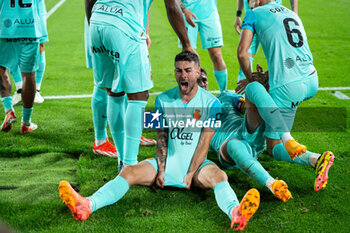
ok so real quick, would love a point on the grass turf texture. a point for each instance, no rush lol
(31, 166)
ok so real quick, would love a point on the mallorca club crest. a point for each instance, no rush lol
(197, 114)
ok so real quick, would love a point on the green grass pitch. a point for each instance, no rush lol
(31, 166)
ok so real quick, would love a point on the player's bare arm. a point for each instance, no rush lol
(294, 5)
(177, 22)
(88, 8)
(199, 154)
(162, 150)
(238, 21)
(242, 52)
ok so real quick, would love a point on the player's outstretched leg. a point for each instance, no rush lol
(79, 205)
(279, 188)
(245, 210)
(324, 162)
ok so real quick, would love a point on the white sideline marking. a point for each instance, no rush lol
(53, 9)
(333, 88)
(216, 91)
(341, 95)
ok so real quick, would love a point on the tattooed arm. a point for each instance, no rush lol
(188, 14)
(162, 150)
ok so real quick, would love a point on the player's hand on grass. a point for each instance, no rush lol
(160, 179)
(241, 85)
(189, 17)
(237, 25)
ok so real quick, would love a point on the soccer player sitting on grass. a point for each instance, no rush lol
(181, 152)
(241, 140)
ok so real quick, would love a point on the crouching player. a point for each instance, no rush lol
(240, 141)
(181, 153)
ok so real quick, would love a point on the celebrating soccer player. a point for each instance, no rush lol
(181, 152)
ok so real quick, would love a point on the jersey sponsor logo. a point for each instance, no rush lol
(107, 9)
(289, 63)
(22, 40)
(278, 9)
(302, 59)
(7, 23)
(102, 49)
(178, 133)
(29, 21)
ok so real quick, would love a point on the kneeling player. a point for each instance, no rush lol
(181, 152)
(240, 141)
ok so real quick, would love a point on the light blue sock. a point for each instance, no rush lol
(109, 193)
(133, 130)
(241, 74)
(116, 120)
(26, 113)
(225, 197)
(39, 74)
(279, 152)
(99, 112)
(246, 162)
(7, 102)
(221, 79)
(267, 108)
(17, 77)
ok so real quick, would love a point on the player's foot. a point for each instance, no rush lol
(245, 210)
(106, 149)
(147, 141)
(27, 127)
(294, 148)
(38, 98)
(280, 190)
(79, 205)
(16, 98)
(324, 162)
(10, 118)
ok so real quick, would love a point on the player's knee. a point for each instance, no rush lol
(128, 174)
(270, 144)
(220, 176)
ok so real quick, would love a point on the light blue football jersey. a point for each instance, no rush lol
(184, 134)
(231, 120)
(247, 7)
(19, 19)
(283, 39)
(128, 16)
(233, 125)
